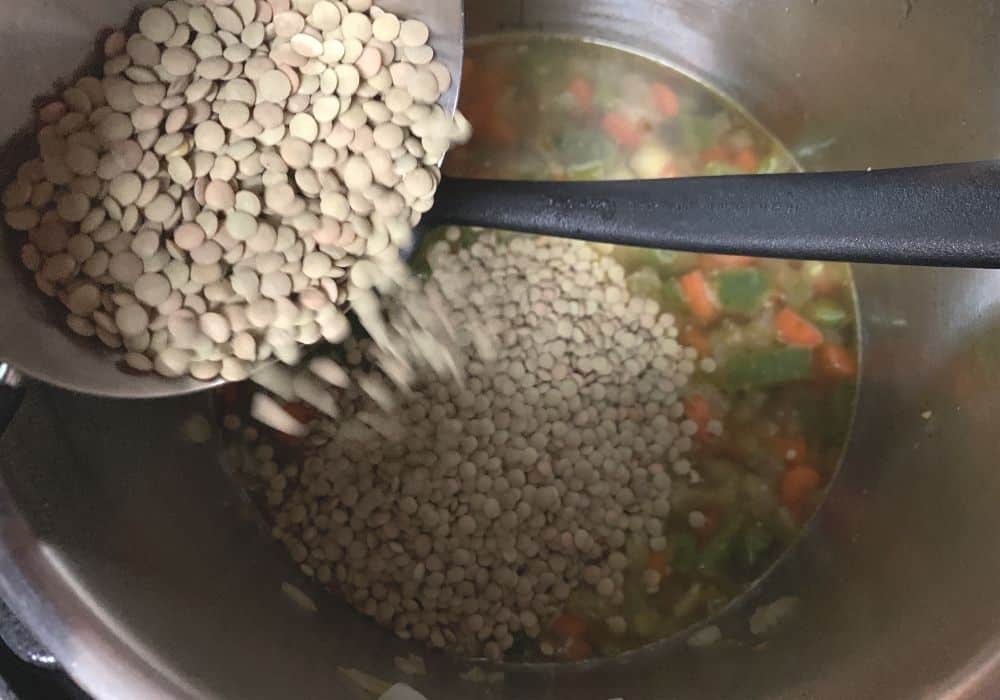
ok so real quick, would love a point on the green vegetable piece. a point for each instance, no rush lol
(586, 171)
(522, 646)
(581, 150)
(719, 551)
(827, 312)
(674, 261)
(761, 368)
(671, 298)
(645, 283)
(685, 553)
(754, 544)
(696, 133)
(720, 167)
(774, 164)
(688, 602)
(741, 290)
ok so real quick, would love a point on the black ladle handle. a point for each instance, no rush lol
(945, 215)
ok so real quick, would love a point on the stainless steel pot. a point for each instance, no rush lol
(127, 551)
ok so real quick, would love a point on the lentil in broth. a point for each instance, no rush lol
(773, 419)
(646, 435)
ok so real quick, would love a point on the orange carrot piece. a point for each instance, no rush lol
(576, 649)
(795, 330)
(658, 562)
(696, 408)
(694, 338)
(699, 297)
(835, 361)
(583, 92)
(623, 131)
(724, 262)
(797, 484)
(714, 153)
(569, 626)
(746, 160)
(666, 100)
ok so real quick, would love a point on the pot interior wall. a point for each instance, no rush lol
(131, 555)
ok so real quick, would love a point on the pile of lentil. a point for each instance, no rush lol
(470, 511)
(238, 171)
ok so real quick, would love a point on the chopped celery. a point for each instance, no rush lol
(645, 283)
(755, 542)
(698, 133)
(761, 368)
(685, 553)
(774, 163)
(797, 287)
(720, 167)
(688, 602)
(674, 261)
(581, 149)
(826, 312)
(586, 171)
(741, 290)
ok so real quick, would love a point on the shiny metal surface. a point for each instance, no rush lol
(48, 42)
(125, 549)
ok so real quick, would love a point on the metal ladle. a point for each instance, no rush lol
(946, 215)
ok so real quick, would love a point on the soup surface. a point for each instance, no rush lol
(761, 402)
(781, 333)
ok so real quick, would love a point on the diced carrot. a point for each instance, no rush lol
(696, 408)
(482, 90)
(622, 130)
(835, 362)
(710, 526)
(795, 330)
(658, 562)
(699, 296)
(301, 412)
(569, 626)
(583, 92)
(665, 99)
(746, 160)
(498, 130)
(724, 262)
(576, 649)
(693, 337)
(714, 153)
(790, 449)
(797, 484)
